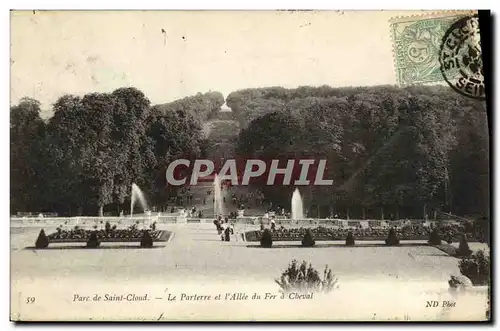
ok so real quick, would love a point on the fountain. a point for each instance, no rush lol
(218, 208)
(137, 195)
(297, 208)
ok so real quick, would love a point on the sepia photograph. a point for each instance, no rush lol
(285, 165)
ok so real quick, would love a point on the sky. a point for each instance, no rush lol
(170, 55)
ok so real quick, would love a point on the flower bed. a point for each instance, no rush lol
(116, 235)
(326, 234)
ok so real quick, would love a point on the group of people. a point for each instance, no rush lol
(247, 200)
(224, 227)
(278, 210)
(194, 213)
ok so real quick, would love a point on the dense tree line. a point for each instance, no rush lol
(201, 106)
(405, 152)
(86, 156)
(390, 151)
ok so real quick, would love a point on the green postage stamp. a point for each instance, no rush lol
(417, 42)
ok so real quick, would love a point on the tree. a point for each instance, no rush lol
(42, 241)
(266, 240)
(392, 239)
(146, 240)
(350, 239)
(170, 135)
(26, 132)
(308, 240)
(98, 162)
(130, 113)
(469, 171)
(463, 247)
(435, 238)
(96, 143)
(476, 268)
(93, 241)
(481, 229)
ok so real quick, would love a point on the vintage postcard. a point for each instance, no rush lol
(249, 166)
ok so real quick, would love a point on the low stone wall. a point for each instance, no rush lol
(174, 218)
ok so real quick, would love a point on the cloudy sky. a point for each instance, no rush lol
(169, 55)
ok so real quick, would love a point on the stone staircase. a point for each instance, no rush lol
(222, 130)
(205, 204)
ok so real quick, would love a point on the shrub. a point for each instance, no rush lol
(476, 268)
(93, 241)
(107, 227)
(304, 279)
(392, 239)
(349, 241)
(308, 240)
(146, 240)
(42, 241)
(460, 281)
(266, 240)
(469, 226)
(435, 237)
(463, 247)
(482, 229)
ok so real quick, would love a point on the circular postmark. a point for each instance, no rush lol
(460, 58)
